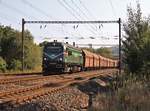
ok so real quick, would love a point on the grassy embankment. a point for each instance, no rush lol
(128, 94)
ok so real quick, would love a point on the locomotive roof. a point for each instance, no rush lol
(66, 44)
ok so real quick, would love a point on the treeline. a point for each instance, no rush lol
(103, 51)
(11, 51)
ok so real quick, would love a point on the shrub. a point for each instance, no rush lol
(134, 96)
(15, 65)
(2, 65)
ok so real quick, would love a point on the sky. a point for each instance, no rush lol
(12, 12)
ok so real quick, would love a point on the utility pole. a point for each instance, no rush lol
(119, 22)
(23, 23)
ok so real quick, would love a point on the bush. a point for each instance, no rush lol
(2, 65)
(134, 96)
(15, 65)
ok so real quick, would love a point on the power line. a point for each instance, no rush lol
(90, 14)
(68, 9)
(62, 4)
(83, 14)
(86, 8)
(14, 9)
(8, 17)
(76, 13)
(36, 8)
(112, 7)
(79, 9)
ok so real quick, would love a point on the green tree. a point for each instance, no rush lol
(15, 65)
(136, 46)
(89, 49)
(106, 52)
(11, 48)
(33, 53)
(10, 44)
(33, 56)
(43, 43)
(2, 65)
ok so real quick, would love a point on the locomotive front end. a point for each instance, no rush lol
(53, 58)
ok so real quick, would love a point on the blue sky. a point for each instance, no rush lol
(12, 11)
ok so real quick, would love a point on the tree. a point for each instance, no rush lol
(2, 65)
(33, 54)
(89, 49)
(15, 65)
(10, 44)
(136, 46)
(106, 52)
(43, 43)
(11, 48)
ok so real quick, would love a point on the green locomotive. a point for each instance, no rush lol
(61, 57)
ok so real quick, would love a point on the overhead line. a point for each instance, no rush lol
(86, 8)
(68, 9)
(15, 9)
(36, 8)
(112, 7)
(79, 9)
(77, 13)
(83, 13)
(6, 16)
(89, 13)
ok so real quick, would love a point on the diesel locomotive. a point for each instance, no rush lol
(62, 57)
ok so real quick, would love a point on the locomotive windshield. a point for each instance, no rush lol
(53, 52)
(51, 49)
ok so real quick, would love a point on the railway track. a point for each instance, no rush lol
(24, 79)
(16, 79)
(21, 74)
(22, 95)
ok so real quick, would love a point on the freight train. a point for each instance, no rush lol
(62, 57)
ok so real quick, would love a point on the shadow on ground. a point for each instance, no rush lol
(94, 86)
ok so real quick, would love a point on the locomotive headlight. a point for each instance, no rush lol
(60, 59)
(45, 58)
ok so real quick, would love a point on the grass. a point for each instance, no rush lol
(37, 69)
(132, 95)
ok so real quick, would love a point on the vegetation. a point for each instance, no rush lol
(131, 91)
(103, 51)
(132, 96)
(11, 52)
(136, 47)
(106, 52)
(2, 65)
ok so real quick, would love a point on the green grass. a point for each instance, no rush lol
(37, 69)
